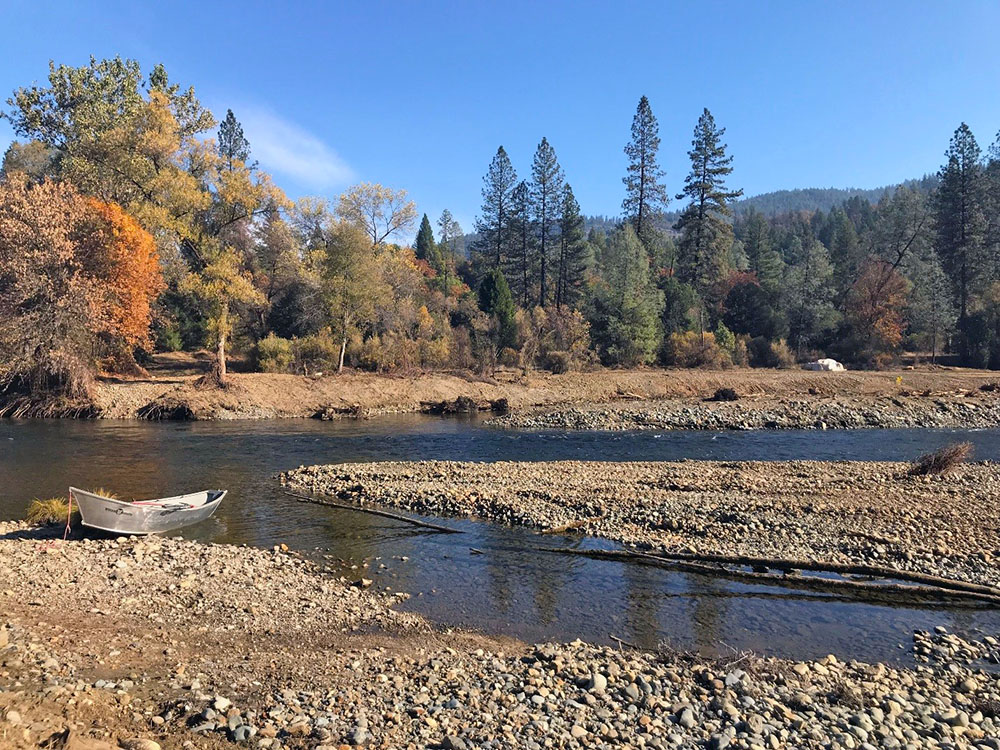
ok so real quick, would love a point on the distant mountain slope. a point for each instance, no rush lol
(823, 199)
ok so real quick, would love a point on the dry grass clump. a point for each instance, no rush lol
(47, 512)
(104, 493)
(943, 460)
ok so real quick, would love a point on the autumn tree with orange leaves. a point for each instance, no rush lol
(123, 256)
(874, 310)
(77, 278)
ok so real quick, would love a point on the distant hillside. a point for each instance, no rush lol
(823, 199)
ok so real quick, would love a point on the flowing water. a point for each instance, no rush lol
(502, 591)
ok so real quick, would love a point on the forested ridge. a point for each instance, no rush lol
(133, 221)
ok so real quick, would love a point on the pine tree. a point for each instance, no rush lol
(546, 195)
(960, 217)
(931, 311)
(763, 259)
(493, 226)
(845, 249)
(705, 233)
(521, 267)
(424, 245)
(573, 255)
(232, 145)
(993, 206)
(645, 194)
(450, 233)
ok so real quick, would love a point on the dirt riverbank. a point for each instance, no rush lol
(161, 643)
(909, 397)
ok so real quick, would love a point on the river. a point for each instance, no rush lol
(502, 591)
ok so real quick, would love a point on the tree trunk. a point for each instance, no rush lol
(220, 362)
(343, 348)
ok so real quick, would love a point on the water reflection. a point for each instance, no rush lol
(504, 590)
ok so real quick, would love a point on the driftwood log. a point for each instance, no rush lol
(374, 512)
(953, 591)
(571, 525)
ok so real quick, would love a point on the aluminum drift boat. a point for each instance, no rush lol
(144, 516)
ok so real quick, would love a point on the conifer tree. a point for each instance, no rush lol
(232, 145)
(493, 225)
(960, 218)
(523, 242)
(450, 233)
(424, 246)
(625, 310)
(645, 194)
(763, 259)
(495, 300)
(706, 236)
(546, 196)
(572, 251)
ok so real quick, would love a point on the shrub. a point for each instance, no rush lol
(943, 460)
(435, 352)
(167, 336)
(550, 338)
(315, 353)
(764, 353)
(724, 394)
(725, 339)
(274, 354)
(51, 511)
(558, 362)
(689, 349)
(741, 354)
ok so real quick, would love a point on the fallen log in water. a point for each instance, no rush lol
(954, 591)
(570, 526)
(374, 512)
(861, 569)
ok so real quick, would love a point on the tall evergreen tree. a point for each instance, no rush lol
(493, 225)
(762, 257)
(572, 251)
(546, 197)
(645, 194)
(993, 206)
(931, 311)
(841, 239)
(960, 218)
(705, 234)
(449, 233)
(521, 267)
(233, 145)
(424, 245)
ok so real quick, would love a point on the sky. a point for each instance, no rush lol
(419, 95)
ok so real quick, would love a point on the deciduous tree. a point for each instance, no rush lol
(380, 211)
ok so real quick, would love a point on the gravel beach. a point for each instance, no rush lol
(161, 643)
(972, 410)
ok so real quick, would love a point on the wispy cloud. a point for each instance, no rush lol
(285, 148)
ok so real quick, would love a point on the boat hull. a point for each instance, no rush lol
(145, 517)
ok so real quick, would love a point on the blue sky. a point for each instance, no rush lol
(419, 95)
